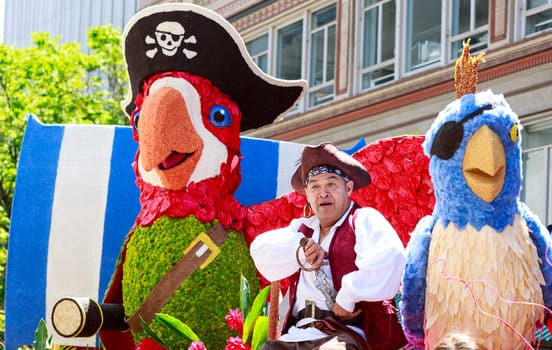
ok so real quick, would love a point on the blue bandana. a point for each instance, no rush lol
(322, 169)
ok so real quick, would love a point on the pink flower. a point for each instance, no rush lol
(236, 343)
(149, 344)
(197, 345)
(234, 321)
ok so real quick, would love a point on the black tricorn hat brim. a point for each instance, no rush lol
(212, 48)
(328, 154)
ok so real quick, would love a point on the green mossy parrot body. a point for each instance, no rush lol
(205, 297)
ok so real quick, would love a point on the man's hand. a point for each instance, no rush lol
(314, 254)
(344, 314)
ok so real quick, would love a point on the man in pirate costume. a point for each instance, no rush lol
(344, 262)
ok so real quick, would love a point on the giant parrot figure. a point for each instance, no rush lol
(480, 264)
(193, 88)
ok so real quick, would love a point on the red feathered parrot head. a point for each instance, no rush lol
(187, 130)
(193, 88)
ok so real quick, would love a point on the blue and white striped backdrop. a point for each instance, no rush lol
(75, 200)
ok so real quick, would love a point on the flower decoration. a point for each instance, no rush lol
(234, 320)
(207, 200)
(401, 187)
(273, 214)
(236, 343)
(197, 345)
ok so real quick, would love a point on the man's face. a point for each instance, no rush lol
(328, 195)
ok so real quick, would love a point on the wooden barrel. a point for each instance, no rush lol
(84, 317)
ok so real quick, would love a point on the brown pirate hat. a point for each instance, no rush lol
(189, 38)
(328, 154)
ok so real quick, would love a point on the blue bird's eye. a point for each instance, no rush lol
(220, 116)
(135, 119)
(514, 133)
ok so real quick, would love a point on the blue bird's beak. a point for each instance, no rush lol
(484, 164)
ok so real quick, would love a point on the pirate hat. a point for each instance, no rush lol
(329, 155)
(190, 38)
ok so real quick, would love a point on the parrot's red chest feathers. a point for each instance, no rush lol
(188, 133)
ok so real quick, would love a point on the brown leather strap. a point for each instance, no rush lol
(198, 254)
(318, 314)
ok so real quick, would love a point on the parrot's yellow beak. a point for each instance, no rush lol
(484, 164)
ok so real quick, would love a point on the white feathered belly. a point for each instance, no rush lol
(479, 282)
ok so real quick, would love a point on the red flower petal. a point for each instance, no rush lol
(149, 344)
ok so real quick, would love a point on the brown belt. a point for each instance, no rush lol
(195, 256)
(312, 311)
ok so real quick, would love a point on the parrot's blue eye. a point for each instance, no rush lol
(220, 116)
(135, 119)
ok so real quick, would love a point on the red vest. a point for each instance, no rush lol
(381, 325)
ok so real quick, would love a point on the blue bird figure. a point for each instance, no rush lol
(480, 264)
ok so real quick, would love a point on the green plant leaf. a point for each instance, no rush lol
(256, 310)
(42, 341)
(244, 296)
(153, 335)
(177, 326)
(260, 332)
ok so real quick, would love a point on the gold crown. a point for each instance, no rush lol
(465, 71)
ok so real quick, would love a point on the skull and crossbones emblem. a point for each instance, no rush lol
(169, 37)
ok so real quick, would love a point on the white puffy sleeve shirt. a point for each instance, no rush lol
(380, 256)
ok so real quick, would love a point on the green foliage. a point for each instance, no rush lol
(205, 297)
(151, 334)
(58, 83)
(256, 310)
(244, 296)
(43, 341)
(178, 327)
(107, 59)
(256, 321)
(260, 332)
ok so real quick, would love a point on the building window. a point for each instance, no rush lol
(423, 33)
(537, 170)
(322, 55)
(289, 51)
(258, 49)
(469, 19)
(402, 36)
(537, 16)
(378, 20)
(304, 49)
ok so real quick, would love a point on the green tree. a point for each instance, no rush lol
(58, 83)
